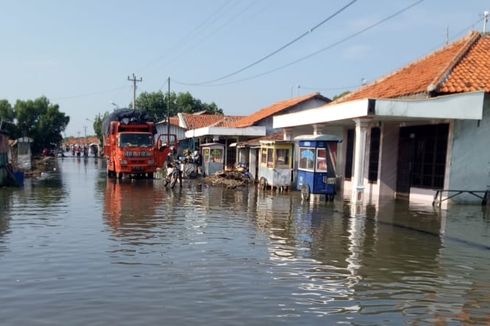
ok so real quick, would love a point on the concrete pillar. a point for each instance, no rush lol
(362, 126)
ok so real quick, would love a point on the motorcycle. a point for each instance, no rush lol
(174, 173)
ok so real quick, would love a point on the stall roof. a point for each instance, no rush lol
(211, 144)
(318, 137)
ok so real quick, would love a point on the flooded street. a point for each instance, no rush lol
(79, 249)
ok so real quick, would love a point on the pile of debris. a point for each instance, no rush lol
(229, 179)
(42, 165)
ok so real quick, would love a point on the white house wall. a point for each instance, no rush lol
(178, 131)
(470, 155)
(388, 161)
(310, 104)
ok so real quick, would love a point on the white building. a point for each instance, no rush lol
(423, 129)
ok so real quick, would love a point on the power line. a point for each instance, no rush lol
(189, 47)
(310, 88)
(345, 39)
(312, 29)
(89, 94)
(195, 31)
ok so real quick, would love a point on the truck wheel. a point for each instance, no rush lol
(119, 175)
(150, 175)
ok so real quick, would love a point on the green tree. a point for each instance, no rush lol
(7, 118)
(155, 103)
(98, 126)
(42, 121)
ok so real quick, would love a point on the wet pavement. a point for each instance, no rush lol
(79, 249)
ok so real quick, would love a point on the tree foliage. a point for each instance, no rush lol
(155, 103)
(37, 119)
(97, 125)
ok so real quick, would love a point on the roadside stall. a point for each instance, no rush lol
(317, 165)
(23, 153)
(275, 164)
(213, 158)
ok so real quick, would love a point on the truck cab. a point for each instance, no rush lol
(131, 149)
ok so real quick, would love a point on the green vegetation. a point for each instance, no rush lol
(38, 119)
(97, 125)
(155, 103)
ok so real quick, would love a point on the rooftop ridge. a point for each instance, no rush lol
(473, 37)
(406, 67)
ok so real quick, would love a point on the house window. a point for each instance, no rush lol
(282, 158)
(349, 153)
(374, 155)
(321, 160)
(306, 158)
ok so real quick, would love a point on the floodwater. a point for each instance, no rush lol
(78, 249)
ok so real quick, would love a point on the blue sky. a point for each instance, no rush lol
(80, 53)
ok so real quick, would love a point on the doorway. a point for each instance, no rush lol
(421, 158)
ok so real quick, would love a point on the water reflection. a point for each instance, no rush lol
(5, 203)
(130, 205)
(133, 252)
(387, 261)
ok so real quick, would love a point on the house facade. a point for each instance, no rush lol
(423, 129)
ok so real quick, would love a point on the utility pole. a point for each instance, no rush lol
(168, 112)
(134, 80)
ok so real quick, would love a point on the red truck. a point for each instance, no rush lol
(130, 145)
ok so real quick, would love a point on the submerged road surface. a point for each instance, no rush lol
(79, 249)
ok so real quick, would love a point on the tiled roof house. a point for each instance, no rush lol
(429, 121)
(463, 66)
(264, 116)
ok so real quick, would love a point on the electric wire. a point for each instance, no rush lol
(310, 88)
(90, 94)
(195, 31)
(189, 47)
(312, 29)
(330, 46)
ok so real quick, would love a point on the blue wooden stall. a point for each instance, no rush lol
(317, 165)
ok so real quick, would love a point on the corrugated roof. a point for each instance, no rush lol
(276, 108)
(462, 66)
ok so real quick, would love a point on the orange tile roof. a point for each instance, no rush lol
(463, 66)
(80, 140)
(228, 121)
(472, 73)
(174, 121)
(202, 120)
(276, 108)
